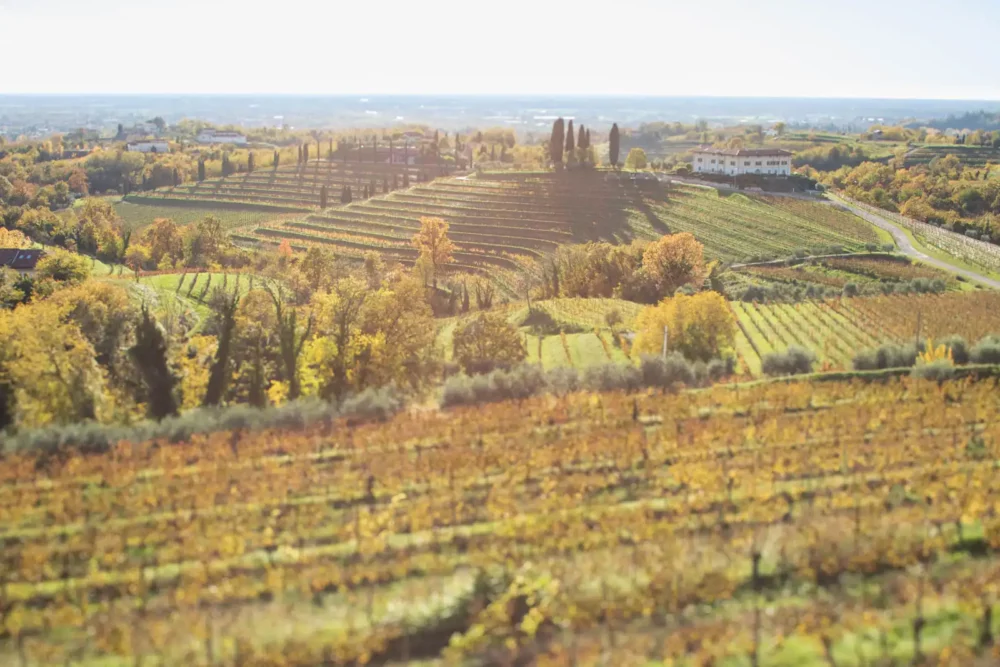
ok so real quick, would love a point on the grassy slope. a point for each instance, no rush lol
(138, 215)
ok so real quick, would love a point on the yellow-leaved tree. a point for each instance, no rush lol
(434, 245)
(699, 326)
(486, 342)
(674, 261)
(12, 238)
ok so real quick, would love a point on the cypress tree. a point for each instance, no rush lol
(345, 194)
(322, 197)
(251, 162)
(569, 138)
(218, 377)
(201, 170)
(581, 141)
(150, 356)
(305, 153)
(614, 145)
(177, 177)
(300, 154)
(556, 141)
(277, 159)
(588, 137)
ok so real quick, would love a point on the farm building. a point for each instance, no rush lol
(148, 147)
(736, 161)
(21, 260)
(217, 137)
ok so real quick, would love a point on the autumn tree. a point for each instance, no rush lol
(701, 327)
(486, 342)
(435, 247)
(63, 267)
(636, 159)
(614, 145)
(557, 141)
(165, 242)
(673, 261)
(12, 238)
(150, 356)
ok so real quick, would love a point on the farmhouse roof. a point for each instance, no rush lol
(745, 152)
(16, 258)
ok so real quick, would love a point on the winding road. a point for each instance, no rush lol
(906, 246)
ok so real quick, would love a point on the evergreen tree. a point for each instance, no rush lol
(300, 154)
(177, 177)
(588, 137)
(345, 194)
(556, 141)
(581, 141)
(277, 159)
(218, 378)
(226, 167)
(305, 153)
(570, 138)
(251, 162)
(150, 356)
(322, 197)
(614, 145)
(201, 170)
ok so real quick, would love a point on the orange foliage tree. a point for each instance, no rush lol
(699, 326)
(434, 245)
(674, 261)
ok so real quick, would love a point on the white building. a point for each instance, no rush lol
(148, 147)
(217, 137)
(736, 161)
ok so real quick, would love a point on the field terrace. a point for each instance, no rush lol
(497, 223)
(300, 185)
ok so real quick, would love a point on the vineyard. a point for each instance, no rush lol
(836, 272)
(138, 214)
(836, 330)
(969, 156)
(737, 227)
(773, 524)
(299, 185)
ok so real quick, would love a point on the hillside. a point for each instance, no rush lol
(781, 523)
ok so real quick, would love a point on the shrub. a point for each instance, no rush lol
(793, 361)
(851, 290)
(612, 377)
(986, 351)
(888, 247)
(665, 373)
(886, 356)
(939, 370)
(959, 349)
(871, 247)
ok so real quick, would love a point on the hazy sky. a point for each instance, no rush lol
(831, 48)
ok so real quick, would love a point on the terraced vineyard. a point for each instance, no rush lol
(836, 272)
(299, 185)
(497, 223)
(838, 329)
(737, 227)
(970, 156)
(775, 524)
(139, 212)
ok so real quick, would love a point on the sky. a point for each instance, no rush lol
(927, 49)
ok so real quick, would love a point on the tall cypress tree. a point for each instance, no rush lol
(277, 159)
(614, 145)
(201, 170)
(581, 140)
(300, 154)
(150, 356)
(588, 137)
(305, 153)
(251, 162)
(569, 138)
(218, 378)
(556, 141)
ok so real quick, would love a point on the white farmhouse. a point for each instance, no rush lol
(217, 137)
(148, 147)
(736, 161)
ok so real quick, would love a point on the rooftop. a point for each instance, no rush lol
(745, 152)
(17, 258)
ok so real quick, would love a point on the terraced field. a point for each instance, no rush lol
(299, 185)
(497, 223)
(837, 329)
(139, 213)
(735, 226)
(970, 156)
